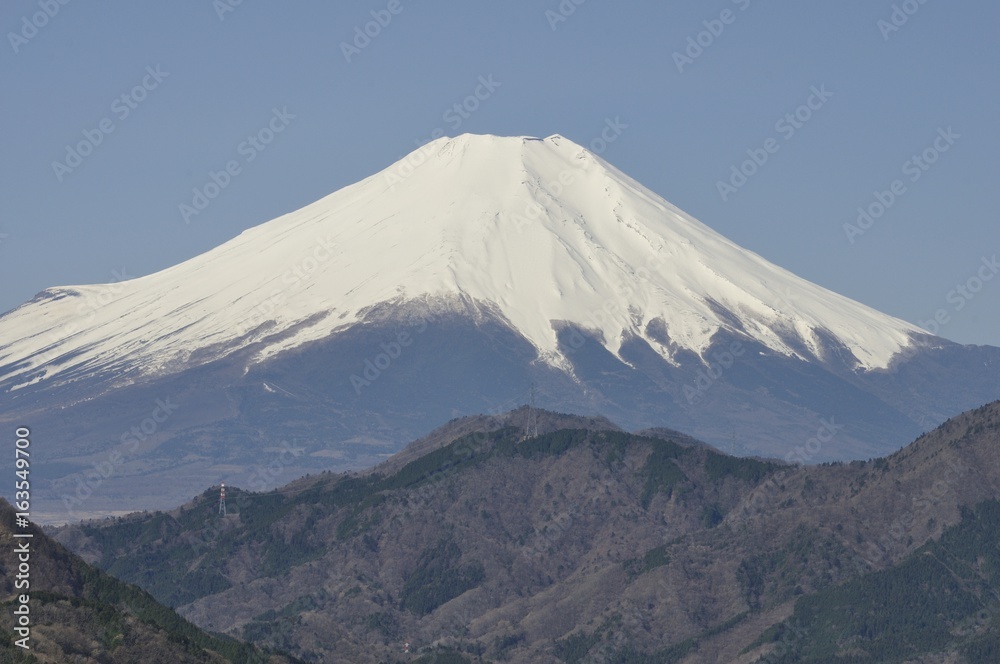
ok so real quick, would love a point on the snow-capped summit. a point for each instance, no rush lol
(539, 231)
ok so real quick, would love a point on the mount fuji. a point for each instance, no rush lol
(442, 286)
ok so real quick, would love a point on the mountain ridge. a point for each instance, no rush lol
(598, 543)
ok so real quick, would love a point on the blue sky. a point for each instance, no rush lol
(199, 78)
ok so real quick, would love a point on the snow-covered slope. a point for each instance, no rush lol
(538, 231)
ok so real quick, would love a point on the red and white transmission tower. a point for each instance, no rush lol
(222, 500)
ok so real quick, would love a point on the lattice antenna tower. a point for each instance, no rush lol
(222, 500)
(531, 421)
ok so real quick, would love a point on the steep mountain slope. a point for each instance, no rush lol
(578, 546)
(442, 286)
(80, 614)
(939, 604)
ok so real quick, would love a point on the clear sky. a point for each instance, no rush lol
(162, 94)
